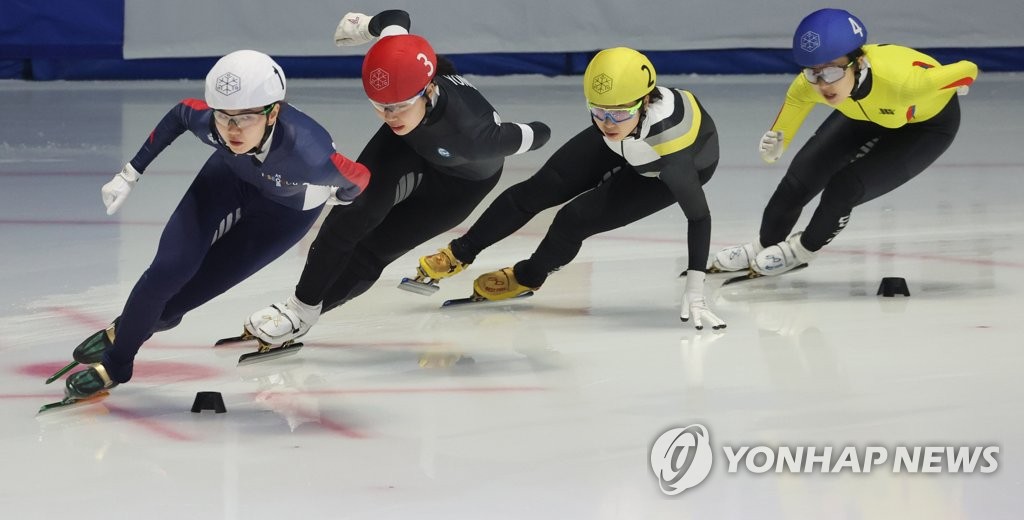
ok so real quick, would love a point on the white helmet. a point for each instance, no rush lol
(244, 79)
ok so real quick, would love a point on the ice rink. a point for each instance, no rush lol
(544, 408)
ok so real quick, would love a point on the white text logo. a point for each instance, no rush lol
(681, 459)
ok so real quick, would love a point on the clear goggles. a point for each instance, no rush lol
(830, 73)
(243, 120)
(615, 115)
(401, 106)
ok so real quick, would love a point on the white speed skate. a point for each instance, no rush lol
(735, 258)
(276, 329)
(782, 257)
(283, 322)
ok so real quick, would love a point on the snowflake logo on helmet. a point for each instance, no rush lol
(602, 83)
(228, 84)
(810, 41)
(379, 79)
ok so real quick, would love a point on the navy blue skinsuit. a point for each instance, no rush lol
(240, 213)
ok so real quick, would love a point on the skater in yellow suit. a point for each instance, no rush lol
(896, 111)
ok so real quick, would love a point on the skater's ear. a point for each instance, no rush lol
(272, 115)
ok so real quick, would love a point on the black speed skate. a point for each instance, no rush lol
(89, 351)
(85, 386)
(264, 351)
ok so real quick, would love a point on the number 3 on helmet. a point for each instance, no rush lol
(398, 67)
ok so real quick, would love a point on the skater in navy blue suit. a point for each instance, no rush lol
(258, 194)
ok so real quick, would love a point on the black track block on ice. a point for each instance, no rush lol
(209, 401)
(891, 286)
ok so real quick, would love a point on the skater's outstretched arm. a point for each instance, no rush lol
(686, 139)
(186, 115)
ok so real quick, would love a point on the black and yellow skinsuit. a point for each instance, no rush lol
(609, 184)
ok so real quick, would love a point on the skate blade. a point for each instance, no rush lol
(753, 275)
(478, 299)
(57, 375)
(235, 339)
(71, 402)
(415, 286)
(274, 353)
(711, 270)
(444, 360)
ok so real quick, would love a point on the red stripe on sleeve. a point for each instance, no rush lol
(923, 65)
(776, 119)
(354, 172)
(959, 83)
(197, 104)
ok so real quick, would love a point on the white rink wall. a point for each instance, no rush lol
(481, 26)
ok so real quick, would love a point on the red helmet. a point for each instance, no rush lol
(398, 68)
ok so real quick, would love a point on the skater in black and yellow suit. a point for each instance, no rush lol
(896, 111)
(647, 147)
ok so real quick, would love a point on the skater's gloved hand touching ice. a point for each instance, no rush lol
(116, 191)
(694, 304)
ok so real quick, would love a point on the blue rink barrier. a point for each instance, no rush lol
(76, 40)
(728, 61)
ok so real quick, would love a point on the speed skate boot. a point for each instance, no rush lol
(283, 322)
(276, 329)
(735, 258)
(500, 285)
(432, 269)
(83, 387)
(88, 383)
(89, 351)
(784, 256)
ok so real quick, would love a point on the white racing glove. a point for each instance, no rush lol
(353, 29)
(771, 146)
(694, 304)
(116, 191)
(962, 90)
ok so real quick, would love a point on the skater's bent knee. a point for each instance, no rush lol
(846, 191)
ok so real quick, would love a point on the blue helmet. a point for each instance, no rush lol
(825, 35)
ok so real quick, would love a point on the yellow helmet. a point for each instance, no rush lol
(618, 76)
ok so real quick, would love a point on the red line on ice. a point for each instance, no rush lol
(147, 423)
